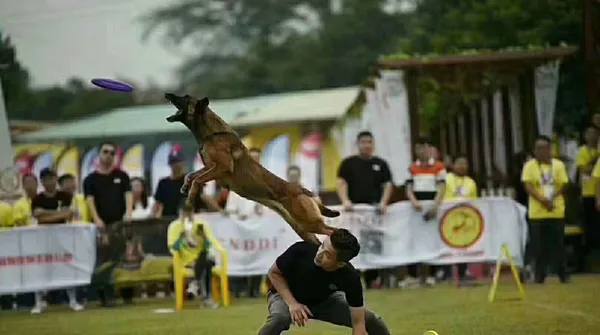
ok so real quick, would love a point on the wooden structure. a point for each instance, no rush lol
(462, 123)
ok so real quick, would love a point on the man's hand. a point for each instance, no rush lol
(300, 314)
(381, 209)
(417, 206)
(127, 217)
(348, 206)
(548, 204)
(99, 223)
(431, 214)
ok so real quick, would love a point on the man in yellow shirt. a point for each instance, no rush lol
(187, 236)
(545, 179)
(22, 215)
(586, 159)
(460, 187)
(594, 229)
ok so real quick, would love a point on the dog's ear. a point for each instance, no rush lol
(204, 102)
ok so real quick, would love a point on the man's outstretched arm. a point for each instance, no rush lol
(280, 284)
(358, 321)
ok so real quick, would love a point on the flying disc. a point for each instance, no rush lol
(430, 332)
(113, 85)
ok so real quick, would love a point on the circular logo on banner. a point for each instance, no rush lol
(462, 226)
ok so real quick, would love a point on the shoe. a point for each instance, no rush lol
(37, 310)
(76, 307)
(210, 303)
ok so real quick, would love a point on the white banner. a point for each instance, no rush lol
(546, 86)
(466, 232)
(46, 258)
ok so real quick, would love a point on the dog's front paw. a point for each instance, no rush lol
(184, 190)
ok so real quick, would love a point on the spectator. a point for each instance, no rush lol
(188, 237)
(243, 208)
(427, 182)
(586, 159)
(365, 179)
(51, 207)
(293, 174)
(108, 193)
(81, 212)
(142, 204)
(545, 179)
(594, 232)
(168, 192)
(22, 215)
(460, 187)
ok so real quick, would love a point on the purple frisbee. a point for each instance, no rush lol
(112, 85)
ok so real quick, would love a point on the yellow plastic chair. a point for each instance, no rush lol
(220, 282)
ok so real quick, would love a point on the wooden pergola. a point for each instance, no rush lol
(460, 75)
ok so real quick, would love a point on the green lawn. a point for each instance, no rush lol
(548, 309)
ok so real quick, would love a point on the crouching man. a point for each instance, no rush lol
(187, 236)
(318, 282)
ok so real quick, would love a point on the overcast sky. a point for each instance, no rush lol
(58, 39)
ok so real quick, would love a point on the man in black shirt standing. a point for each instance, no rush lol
(52, 207)
(318, 282)
(168, 192)
(108, 194)
(365, 179)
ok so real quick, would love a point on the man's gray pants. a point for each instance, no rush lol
(334, 310)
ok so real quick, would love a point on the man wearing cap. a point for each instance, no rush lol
(52, 207)
(168, 195)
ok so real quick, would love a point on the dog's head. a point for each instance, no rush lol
(196, 115)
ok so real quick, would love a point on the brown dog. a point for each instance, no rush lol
(227, 161)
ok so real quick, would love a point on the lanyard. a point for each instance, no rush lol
(546, 178)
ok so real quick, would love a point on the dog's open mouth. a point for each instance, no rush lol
(180, 103)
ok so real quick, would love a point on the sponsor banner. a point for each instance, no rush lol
(276, 156)
(87, 163)
(133, 161)
(69, 163)
(465, 232)
(160, 164)
(46, 257)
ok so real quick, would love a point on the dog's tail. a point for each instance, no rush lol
(327, 212)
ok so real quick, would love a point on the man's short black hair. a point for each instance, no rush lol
(293, 168)
(345, 244)
(544, 138)
(364, 133)
(103, 143)
(255, 149)
(67, 176)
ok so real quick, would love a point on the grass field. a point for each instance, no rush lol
(547, 310)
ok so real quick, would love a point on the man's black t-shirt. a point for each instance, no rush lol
(168, 193)
(60, 200)
(365, 178)
(310, 284)
(108, 191)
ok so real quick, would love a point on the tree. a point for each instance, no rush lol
(15, 78)
(267, 46)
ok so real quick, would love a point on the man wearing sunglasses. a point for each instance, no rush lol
(108, 194)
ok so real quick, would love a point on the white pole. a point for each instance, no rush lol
(6, 149)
